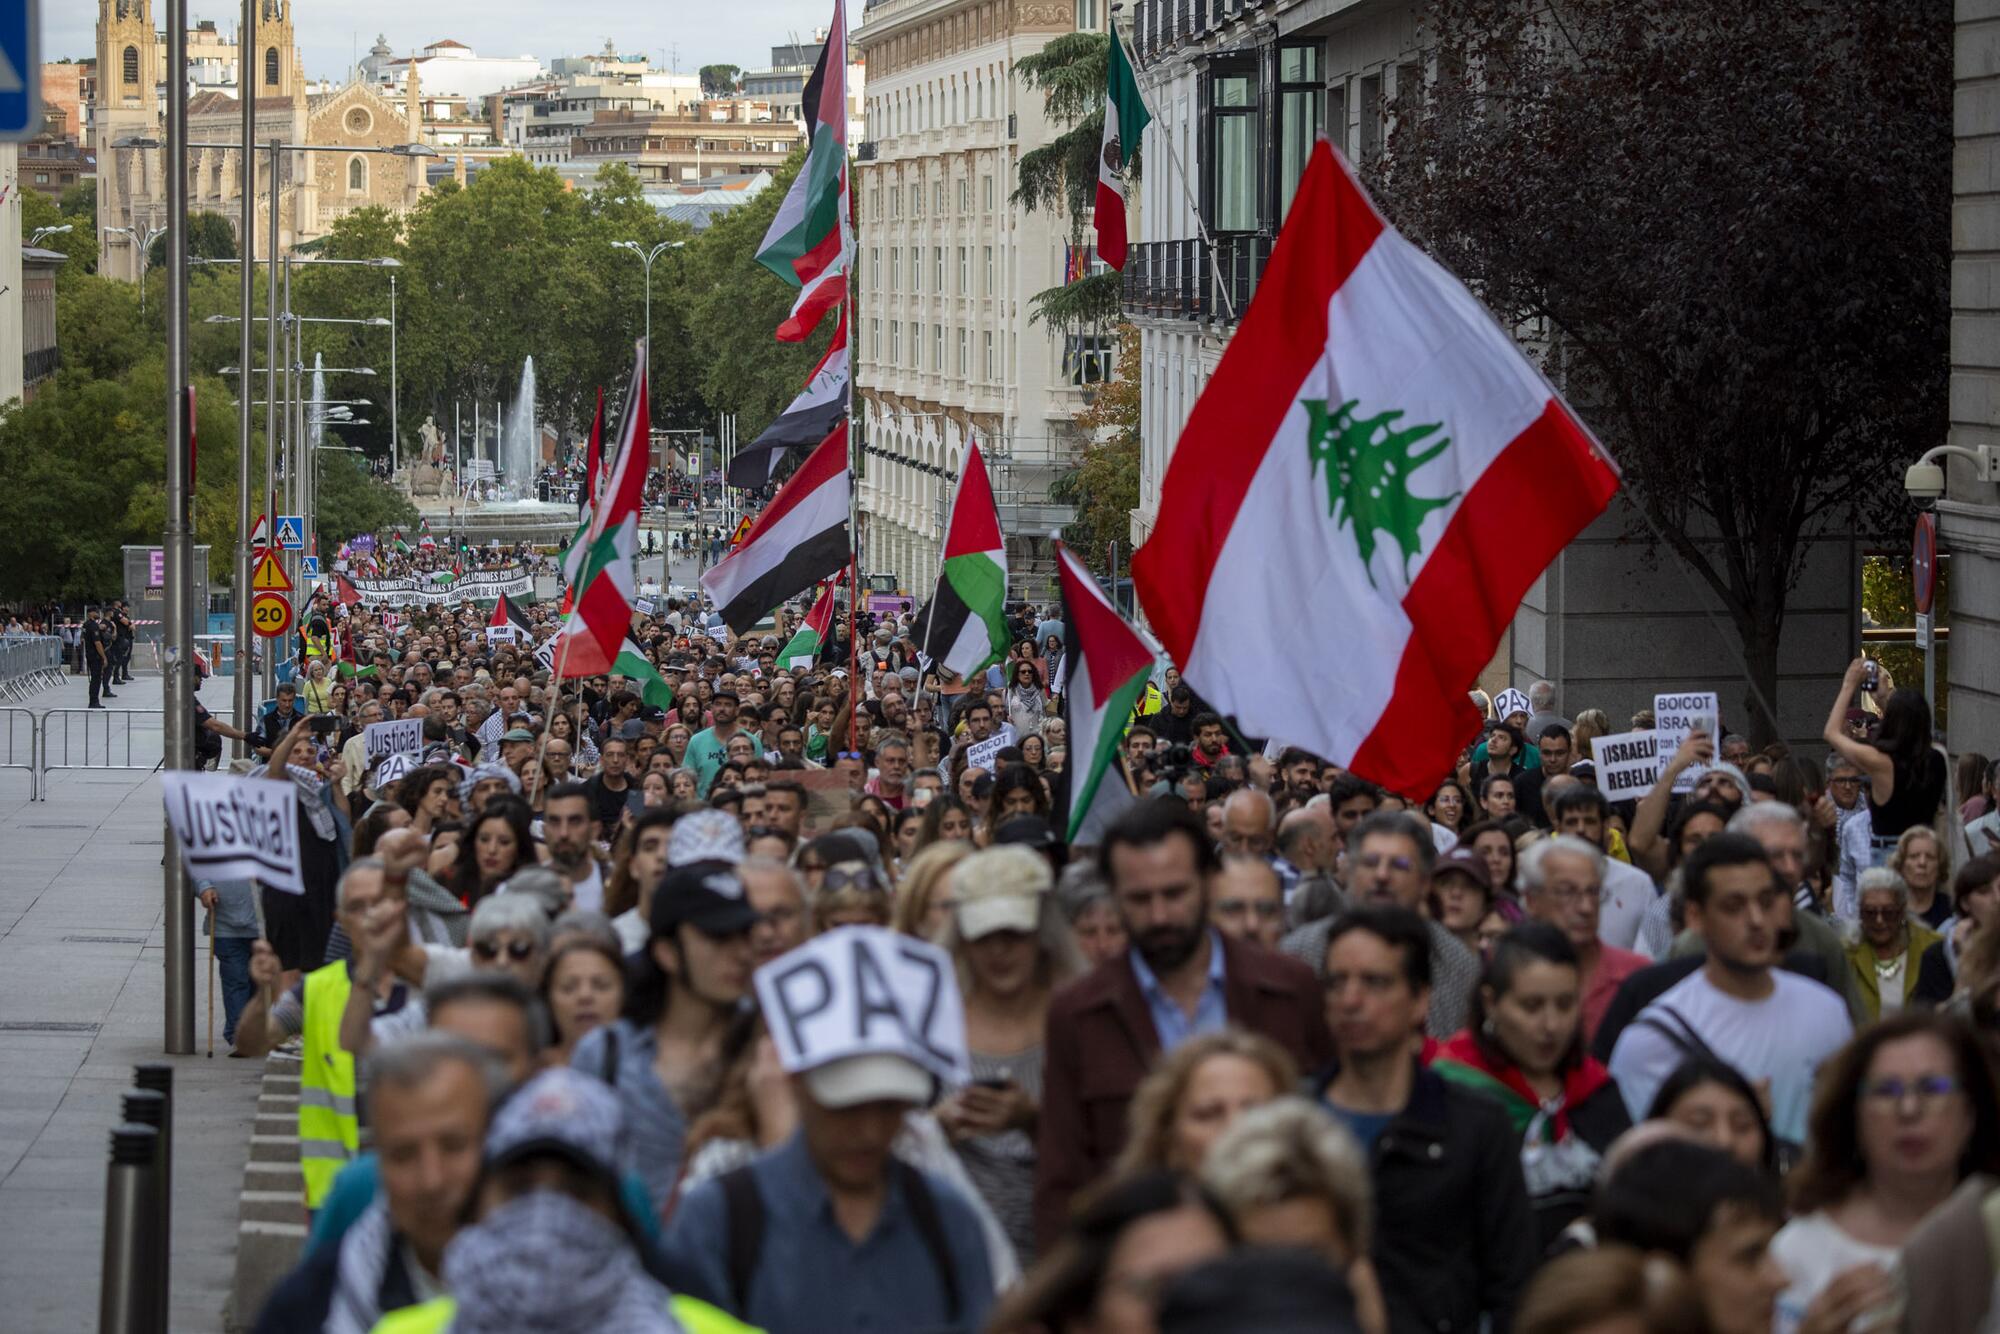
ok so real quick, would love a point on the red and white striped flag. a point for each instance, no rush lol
(1364, 491)
(594, 633)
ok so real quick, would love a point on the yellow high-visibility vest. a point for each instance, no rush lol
(329, 1130)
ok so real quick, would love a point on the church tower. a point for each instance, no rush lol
(275, 66)
(127, 105)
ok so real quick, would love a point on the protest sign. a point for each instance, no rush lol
(1676, 715)
(232, 828)
(863, 990)
(979, 755)
(500, 634)
(1627, 764)
(397, 737)
(1508, 703)
(644, 606)
(394, 768)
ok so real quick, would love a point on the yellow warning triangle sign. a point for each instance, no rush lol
(270, 576)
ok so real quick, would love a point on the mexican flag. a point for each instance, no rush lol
(1369, 483)
(803, 649)
(1104, 674)
(808, 239)
(965, 626)
(640, 674)
(1125, 118)
(596, 629)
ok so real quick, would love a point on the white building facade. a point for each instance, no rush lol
(943, 349)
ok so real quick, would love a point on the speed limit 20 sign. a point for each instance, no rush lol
(270, 614)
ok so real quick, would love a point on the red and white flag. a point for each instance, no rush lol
(594, 633)
(1369, 483)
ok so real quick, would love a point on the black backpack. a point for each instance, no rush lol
(744, 1206)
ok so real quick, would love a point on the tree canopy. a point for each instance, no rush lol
(1061, 175)
(1724, 227)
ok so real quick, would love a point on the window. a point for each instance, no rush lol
(964, 195)
(1371, 114)
(1086, 359)
(874, 259)
(964, 354)
(131, 64)
(965, 271)
(1336, 118)
(895, 343)
(357, 176)
(916, 268)
(1086, 15)
(271, 67)
(986, 186)
(989, 272)
(1232, 175)
(937, 348)
(992, 371)
(875, 338)
(937, 197)
(1299, 109)
(937, 269)
(916, 200)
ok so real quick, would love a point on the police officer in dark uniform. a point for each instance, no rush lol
(121, 644)
(97, 641)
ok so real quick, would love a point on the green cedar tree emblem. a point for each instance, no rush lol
(1368, 466)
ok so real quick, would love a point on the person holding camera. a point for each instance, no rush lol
(1905, 770)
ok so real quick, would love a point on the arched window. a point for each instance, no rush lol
(271, 67)
(131, 64)
(357, 176)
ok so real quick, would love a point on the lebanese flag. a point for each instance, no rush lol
(1104, 676)
(965, 626)
(1125, 118)
(1369, 483)
(826, 290)
(594, 632)
(803, 648)
(799, 539)
(424, 538)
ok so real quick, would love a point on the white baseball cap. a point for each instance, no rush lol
(871, 1077)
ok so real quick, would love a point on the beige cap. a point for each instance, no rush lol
(1000, 889)
(873, 1077)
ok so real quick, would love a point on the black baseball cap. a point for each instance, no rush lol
(706, 895)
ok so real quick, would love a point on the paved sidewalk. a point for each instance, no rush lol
(81, 950)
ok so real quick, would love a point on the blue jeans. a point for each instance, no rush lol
(232, 960)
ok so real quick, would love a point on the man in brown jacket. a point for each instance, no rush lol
(1178, 978)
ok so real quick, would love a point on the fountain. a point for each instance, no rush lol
(520, 446)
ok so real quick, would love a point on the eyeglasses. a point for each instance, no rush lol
(517, 950)
(1375, 861)
(856, 876)
(1926, 1091)
(1881, 914)
(849, 755)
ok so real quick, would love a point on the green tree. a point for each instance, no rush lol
(720, 80)
(209, 236)
(1104, 486)
(80, 201)
(351, 501)
(1061, 175)
(79, 242)
(1758, 374)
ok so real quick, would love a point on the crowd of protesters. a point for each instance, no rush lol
(1282, 1051)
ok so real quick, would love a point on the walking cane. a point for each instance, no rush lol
(211, 979)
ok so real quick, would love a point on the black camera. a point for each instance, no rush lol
(325, 724)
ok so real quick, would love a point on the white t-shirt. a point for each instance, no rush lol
(1813, 1251)
(1782, 1038)
(1628, 892)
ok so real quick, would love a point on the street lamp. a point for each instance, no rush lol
(141, 240)
(41, 232)
(647, 256)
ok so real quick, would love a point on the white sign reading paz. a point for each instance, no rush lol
(863, 990)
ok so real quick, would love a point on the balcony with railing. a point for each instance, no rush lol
(1180, 280)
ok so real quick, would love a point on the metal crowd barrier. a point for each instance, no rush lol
(29, 664)
(20, 737)
(102, 739)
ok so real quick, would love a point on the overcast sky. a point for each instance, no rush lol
(334, 33)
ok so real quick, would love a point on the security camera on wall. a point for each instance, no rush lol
(1924, 482)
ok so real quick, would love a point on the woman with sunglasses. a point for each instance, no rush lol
(1901, 1116)
(510, 932)
(850, 893)
(1886, 959)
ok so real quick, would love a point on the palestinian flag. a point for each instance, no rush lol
(348, 668)
(799, 539)
(344, 591)
(1372, 430)
(424, 539)
(806, 422)
(1104, 674)
(507, 616)
(1125, 118)
(595, 631)
(803, 649)
(809, 237)
(641, 676)
(965, 626)
(399, 545)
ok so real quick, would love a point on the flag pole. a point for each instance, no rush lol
(1173, 161)
(930, 611)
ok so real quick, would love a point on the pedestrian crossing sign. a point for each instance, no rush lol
(291, 532)
(270, 576)
(309, 567)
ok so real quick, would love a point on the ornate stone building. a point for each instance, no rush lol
(314, 189)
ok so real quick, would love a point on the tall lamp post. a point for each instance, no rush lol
(177, 724)
(647, 254)
(141, 238)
